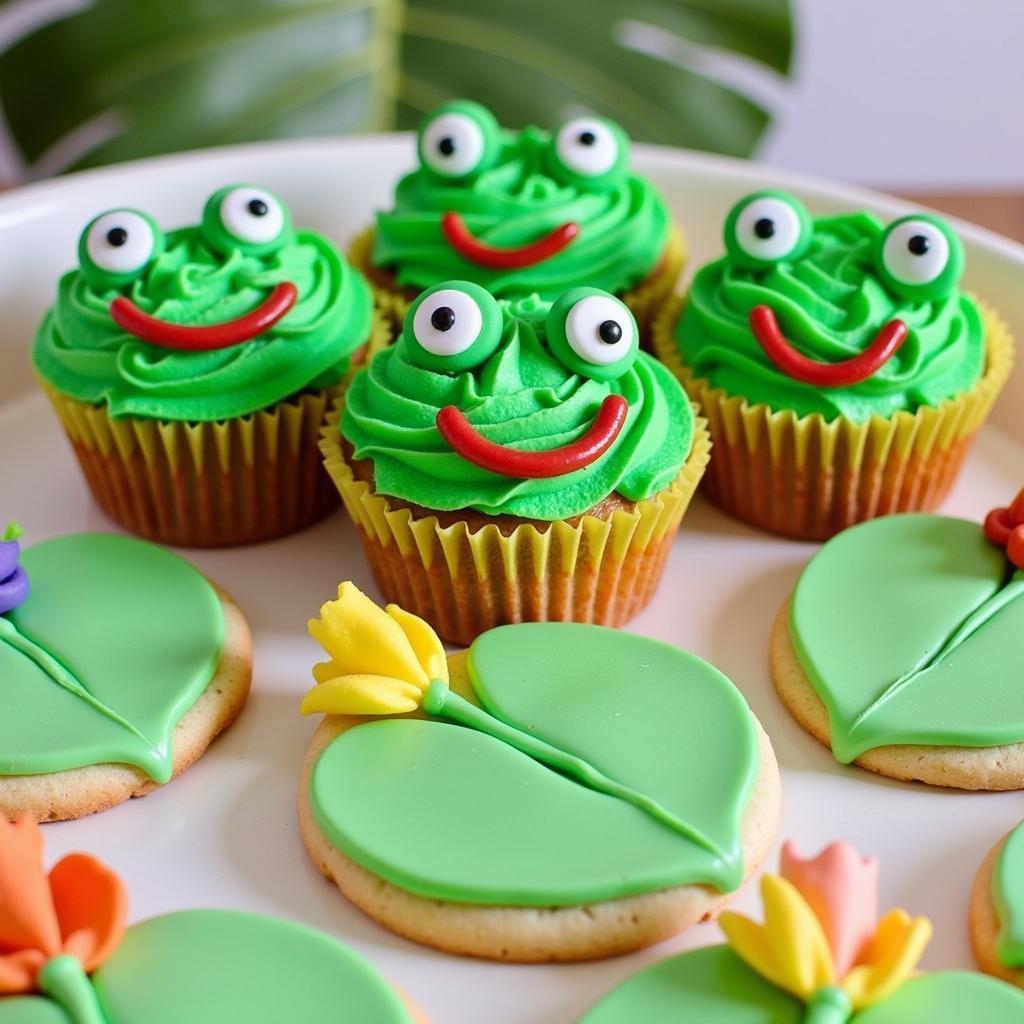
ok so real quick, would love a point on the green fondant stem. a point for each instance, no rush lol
(987, 610)
(156, 766)
(829, 1005)
(442, 702)
(64, 980)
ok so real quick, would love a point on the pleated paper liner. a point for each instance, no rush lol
(808, 478)
(239, 481)
(464, 581)
(645, 299)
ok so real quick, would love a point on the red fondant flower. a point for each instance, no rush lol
(80, 908)
(1005, 527)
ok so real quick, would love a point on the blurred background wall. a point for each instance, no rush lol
(907, 94)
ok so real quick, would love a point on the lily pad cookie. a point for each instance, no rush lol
(843, 370)
(822, 956)
(527, 212)
(120, 663)
(516, 461)
(559, 792)
(900, 649)
(192, 369)
(67, 957)
(997, 910)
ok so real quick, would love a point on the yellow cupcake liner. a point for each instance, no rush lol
(194, 484)
(645, 300)
(808, 478)
(464, 581)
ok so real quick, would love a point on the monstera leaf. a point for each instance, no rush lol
(117, 639)
(714, 986)
(448, 812)
(213, 966)
(117, 79)
(904, 625)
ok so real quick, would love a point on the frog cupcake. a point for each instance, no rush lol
(192, 369)
(522, 213)
(516, 461)
(843, 371)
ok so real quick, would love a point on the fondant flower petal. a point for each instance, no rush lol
(18, 971)
(362, 639)
(890, 958)
(27, 917)
(425, 642)
(841, 887)
(362, 695)
(790, 948)
(92, 908)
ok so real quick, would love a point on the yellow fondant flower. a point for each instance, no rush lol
(381, 659)
(793, 947)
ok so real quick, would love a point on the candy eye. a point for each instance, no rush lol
(593, 333)
(246, 218)
(459, 139)
(919, 257)
(452, 327)
(591, 151)
(117, 246)
(765, 228)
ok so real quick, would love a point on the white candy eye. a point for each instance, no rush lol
(599, 330)
(447, 322)
(252, 215)
(768, 229)
(120, 242)
(453, 145)
(915, 252)
(587, 146)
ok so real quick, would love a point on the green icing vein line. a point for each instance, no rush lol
(971, 624)
(156, 766)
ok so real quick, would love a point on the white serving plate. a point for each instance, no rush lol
(225, 835)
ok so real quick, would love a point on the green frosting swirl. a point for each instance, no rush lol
(523, 397)
(623, 230)
(83, 353)
(830, 304)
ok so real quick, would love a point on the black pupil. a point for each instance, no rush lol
(610, 332)
(918, 245)
(117, 236)
(587, 138)
(443, 318)
(446, 146)
(764, 228)
(258, 208)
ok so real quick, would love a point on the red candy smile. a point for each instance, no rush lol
(204, 337)
(466, 244)
(498, 458)
(825, 375)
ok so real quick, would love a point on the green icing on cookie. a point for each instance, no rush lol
(116, 641)
(714, 986)
(522, 187)
(216, 966)
(213, 966)
(1008, 896)
(645, 714)
(524, 397)
(908, 628)
(830, 300)
(201, 277)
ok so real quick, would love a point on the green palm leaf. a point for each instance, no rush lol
(119, 79)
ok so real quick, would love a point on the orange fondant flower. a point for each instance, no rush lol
(80, 908)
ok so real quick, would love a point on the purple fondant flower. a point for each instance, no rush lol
(13, 580)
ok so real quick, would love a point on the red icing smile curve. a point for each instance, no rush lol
(825, 375)
(204, 337)
(466, 244)
(464, 439)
